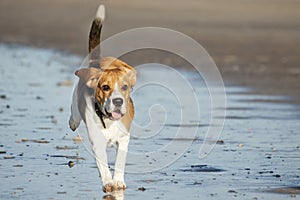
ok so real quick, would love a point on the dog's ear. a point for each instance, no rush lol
(132, 76)
(89, 76)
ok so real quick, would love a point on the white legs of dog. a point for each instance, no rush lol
(100, 138)
(122, 148)
(99, 142)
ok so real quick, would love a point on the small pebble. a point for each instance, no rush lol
(61, 192)
(54, 121)
(220, 141)
(277, 175)
(77, 139)
(71, 164)
(17, 165)
(9, 157)
(142, 189)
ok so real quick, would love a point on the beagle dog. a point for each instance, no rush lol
(102, 100)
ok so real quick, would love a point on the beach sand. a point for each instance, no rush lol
(256, 156)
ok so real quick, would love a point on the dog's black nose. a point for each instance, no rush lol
(117, 101)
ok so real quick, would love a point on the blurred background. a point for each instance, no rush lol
(253, 42)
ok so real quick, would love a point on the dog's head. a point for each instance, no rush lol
(112, 84)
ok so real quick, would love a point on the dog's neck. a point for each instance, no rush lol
(100, 114)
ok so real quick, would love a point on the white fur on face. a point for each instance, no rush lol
(109, 106)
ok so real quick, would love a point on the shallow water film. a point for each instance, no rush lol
(255, 157)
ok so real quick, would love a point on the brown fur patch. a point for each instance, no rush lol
(128, 117)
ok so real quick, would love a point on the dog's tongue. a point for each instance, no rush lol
(116, 115)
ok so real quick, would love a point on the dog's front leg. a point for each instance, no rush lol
(99, 143)
(122, 148)
(101, 160)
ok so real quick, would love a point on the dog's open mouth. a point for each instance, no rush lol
(115, 115)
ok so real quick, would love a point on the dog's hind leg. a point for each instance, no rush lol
(75, 117)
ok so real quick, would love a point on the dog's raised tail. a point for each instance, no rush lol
(100, 12)
(95, 34)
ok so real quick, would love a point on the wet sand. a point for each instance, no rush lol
(256, 157)
(254, 43)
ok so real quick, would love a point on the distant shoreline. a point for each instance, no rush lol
(255, 44)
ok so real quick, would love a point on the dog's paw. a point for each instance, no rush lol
(107, 188)
(72, 124)
(119, 185)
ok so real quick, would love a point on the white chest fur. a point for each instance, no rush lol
(115, 131)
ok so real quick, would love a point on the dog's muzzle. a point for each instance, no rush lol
(116, 113)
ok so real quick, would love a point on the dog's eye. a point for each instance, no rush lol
(105, 88)
(124, 87)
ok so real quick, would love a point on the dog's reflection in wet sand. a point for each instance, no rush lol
(116, 195)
